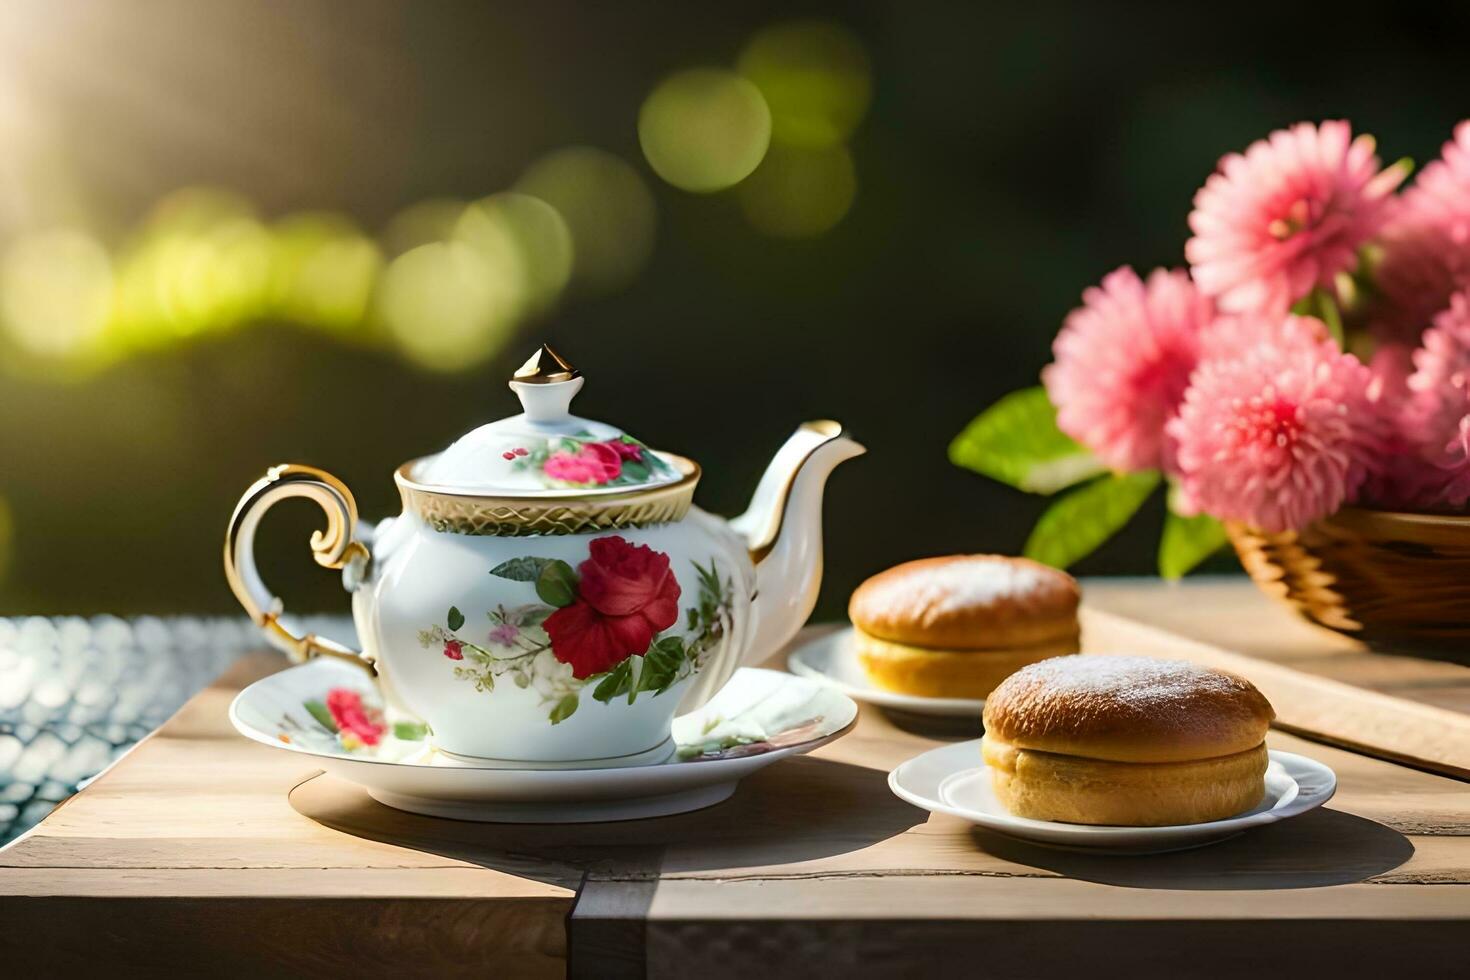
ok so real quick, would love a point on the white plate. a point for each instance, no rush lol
(953, 780)
(759, 717)
(832, 660)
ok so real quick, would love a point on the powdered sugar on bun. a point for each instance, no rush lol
(966, 582)
(1127, 709)
(967, 602)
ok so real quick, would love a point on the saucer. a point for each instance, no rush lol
(953, 780)
(759, 717)
(833, 660)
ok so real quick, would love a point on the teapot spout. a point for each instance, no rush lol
(783, 530)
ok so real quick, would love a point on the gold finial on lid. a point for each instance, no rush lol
(545, 366)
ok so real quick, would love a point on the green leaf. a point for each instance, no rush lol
(1016, 441)
(521, 569)
(564, 709)
(614, 683)
(661, 664)
(1075, 524)
(1187, 541)
(455, 619)
(323, 717)
(557, 584)
(410, 731)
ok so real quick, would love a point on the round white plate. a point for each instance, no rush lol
(954, 780)
(759, 717)
(832, 660)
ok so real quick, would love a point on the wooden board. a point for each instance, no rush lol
(1383, 725)
(186, 858)
(202, 852)
(1229, 611)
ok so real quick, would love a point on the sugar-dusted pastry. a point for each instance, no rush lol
(1126, 741)
(957, 626)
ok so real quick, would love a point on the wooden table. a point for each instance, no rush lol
(201, 852)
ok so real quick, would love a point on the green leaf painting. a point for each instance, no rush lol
(1078, 522)
(1187, 541)
(616, 682)
(564, 709)
(1016, 441)
(521, 569)
(661, 664)
(455, 619)
(557, 584)
(410, 731)
(323, 717)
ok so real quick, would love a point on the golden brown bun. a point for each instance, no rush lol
(967, 602)
(1044, 786)
(1128, 709)
(947, 673)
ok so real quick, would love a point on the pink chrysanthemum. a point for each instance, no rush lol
(1439, 388)
(1453, 487)
(1420, 266)
(1425, 249)
(1436, 418)
(1277, 435)
(1233, 336)
(1122, 363)
(1442, 191)
(1287, 216)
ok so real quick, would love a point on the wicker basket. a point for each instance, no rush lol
(1392, 579)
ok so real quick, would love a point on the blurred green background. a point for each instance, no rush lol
(239, 233)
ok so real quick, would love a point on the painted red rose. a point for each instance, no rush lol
(454, 650)
(595, 463)
(626, 450)
(354, 718)
(626, 594)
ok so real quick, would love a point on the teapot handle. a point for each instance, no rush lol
(334, 547)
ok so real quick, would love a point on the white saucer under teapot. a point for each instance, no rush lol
(549, 593)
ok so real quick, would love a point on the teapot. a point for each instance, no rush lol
(550, 596)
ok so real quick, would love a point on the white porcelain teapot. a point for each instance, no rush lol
(550, 595)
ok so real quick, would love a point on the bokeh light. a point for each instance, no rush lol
(705, 129)
(799, 192)
(418, 224)
(447, 307)
(607, 208)
(55, 293)
(201, 262)
(530, 227)
(323, 271)
(815, 76)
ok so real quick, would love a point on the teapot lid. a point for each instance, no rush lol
(546, 450)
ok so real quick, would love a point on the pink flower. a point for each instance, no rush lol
(1420, 265)
(1439, 388)
(355, 720)
(1390, 368)
(595, 463)
(454, 650)
(1287, 216)
(505, 634)
(1277, 435)
(1435, 423)
(1233, 336)
(1122, 363)
(1450, 484)
(1442, 190)
(1425, 250)
(625, 450)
